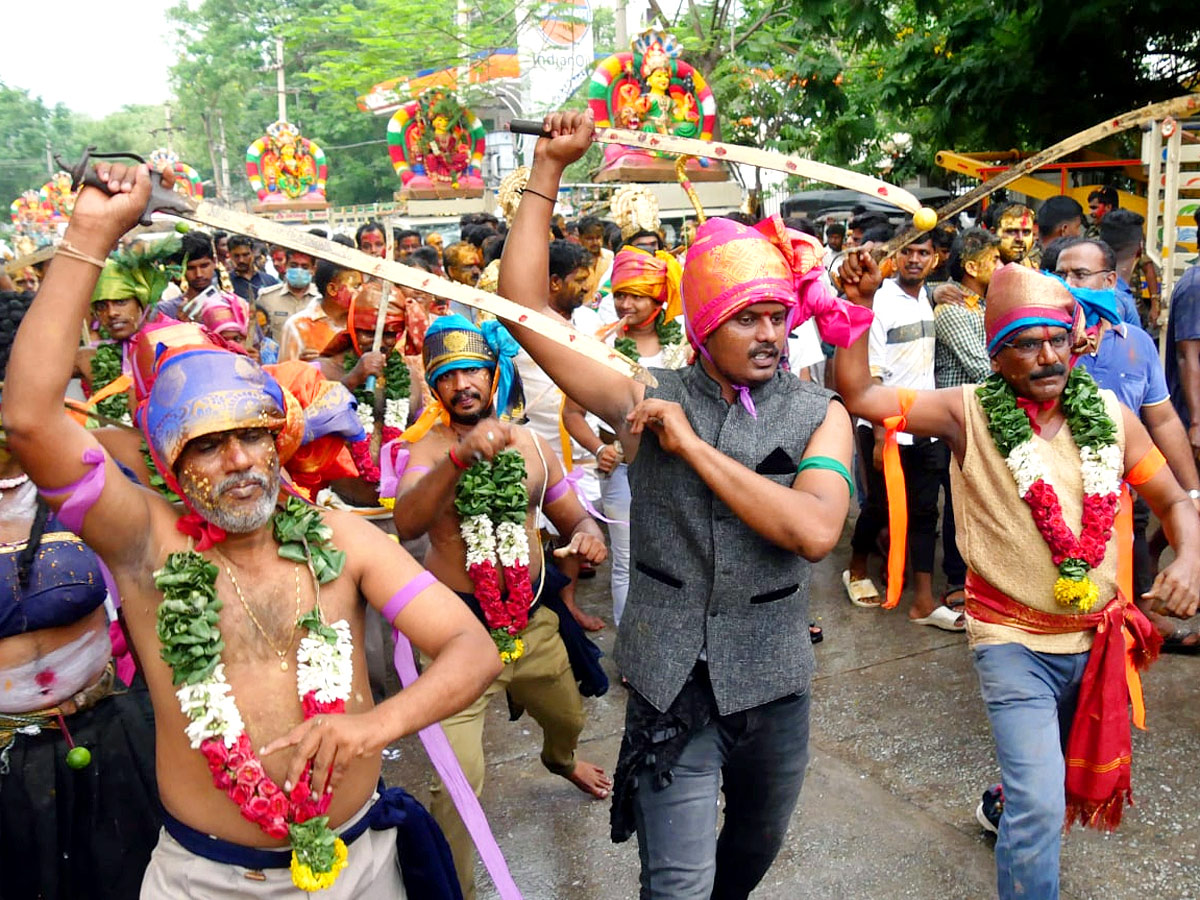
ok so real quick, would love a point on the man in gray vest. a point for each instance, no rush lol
(740, 480)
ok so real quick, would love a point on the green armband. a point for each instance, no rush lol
(827, 462)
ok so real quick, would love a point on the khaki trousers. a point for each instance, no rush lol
(372, 873)
(541, 681)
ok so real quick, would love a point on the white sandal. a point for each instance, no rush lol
(862, 592)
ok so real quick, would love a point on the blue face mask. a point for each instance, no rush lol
(297, 277)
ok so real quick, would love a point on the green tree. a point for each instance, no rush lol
(27, 127)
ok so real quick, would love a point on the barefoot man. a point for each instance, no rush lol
(458, 445)
(247, 612)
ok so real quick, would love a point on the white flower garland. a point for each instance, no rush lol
(479, 535)
(512, 544)
(395, 413)
(323, 668)
(1101, 469)
(211, 709)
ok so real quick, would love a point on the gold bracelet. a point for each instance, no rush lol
(69, 250)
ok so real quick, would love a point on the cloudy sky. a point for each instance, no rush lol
(92, 58)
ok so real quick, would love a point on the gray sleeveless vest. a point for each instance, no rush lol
(699, 577)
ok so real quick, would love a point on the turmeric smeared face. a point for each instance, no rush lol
(231, 478)
(1016, 236)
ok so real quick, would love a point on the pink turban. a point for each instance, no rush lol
(731, 266)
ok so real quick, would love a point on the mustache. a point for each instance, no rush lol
(236, 481)
(466, 394)
(1049, 372)
(764, 347)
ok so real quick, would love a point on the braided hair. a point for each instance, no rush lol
(13, 306)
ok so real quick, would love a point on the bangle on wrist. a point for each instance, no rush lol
(529, 190)
(458, 463)
(70, 251)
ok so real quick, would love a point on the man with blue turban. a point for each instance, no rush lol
(246, 617)
(473, 480)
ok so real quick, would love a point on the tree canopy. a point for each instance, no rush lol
(837, 81)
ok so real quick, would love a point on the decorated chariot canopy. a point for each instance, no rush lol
(187, 179)
(286, 169)
(40, 212)
(651, 89)
(436, 145)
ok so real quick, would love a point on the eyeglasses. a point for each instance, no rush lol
(1080, 274)
(1033, 346)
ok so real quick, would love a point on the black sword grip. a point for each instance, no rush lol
(162, 198)
(528, 126)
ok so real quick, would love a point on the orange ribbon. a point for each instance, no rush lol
(897, 497)
(118, 385)
(1124, 529)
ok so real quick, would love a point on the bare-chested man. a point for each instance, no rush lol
(214, 421)
(471, 373)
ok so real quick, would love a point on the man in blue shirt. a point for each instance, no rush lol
(1183, 350)
(1126, 363)
(245, 278)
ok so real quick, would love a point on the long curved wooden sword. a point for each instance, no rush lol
(164, 199)
(1175, 107)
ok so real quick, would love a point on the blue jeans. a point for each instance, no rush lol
(1030, 699)
(761, 753)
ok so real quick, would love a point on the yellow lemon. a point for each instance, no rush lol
(925, 219)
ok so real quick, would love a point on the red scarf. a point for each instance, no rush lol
(1099, 746)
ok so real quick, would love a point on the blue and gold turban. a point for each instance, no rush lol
(454, 342)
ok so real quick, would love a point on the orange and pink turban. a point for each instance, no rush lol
(655, 275)
(731, 266)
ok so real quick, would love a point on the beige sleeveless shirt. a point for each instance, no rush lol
(999, 540)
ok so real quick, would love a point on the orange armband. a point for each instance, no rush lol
(1147, 467)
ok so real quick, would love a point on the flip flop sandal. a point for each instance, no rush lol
(816, 634)
(957, 603)
(942, 617)
(862, 592)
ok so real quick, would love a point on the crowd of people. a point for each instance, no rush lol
(271, 442)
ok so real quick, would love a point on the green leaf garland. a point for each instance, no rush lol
(302, 533)
(397, 383)
(156, 479)
(188, 616)
(494, 489)
(1087, 417)
(106, 368)
(668, 333)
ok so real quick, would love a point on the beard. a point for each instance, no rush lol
(237, 520)
(473, 418)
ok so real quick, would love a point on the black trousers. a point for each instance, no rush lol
(953, 565)
(924, 463)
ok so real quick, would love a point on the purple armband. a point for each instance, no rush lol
(556, 490)
(83, 493)
(404, 596)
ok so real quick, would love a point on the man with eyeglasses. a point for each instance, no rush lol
(1126, 363)
(1040, 456)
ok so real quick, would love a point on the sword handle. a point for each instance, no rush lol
(162, 198)
(534, 127)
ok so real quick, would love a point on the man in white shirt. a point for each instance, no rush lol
(902, 344)
(544, 401)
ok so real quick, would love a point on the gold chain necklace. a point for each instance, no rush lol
(282, 654)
